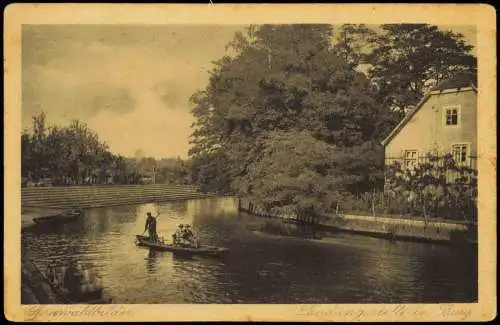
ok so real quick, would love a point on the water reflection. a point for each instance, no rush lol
(151, 257)
(263, 265)
(180, 257)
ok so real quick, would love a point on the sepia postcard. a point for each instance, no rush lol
(216, 162)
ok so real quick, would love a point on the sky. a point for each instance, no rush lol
(130, 84)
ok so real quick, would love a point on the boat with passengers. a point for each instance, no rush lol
(183, 241)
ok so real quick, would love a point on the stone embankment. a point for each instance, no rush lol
(98, 196)
(397, 228)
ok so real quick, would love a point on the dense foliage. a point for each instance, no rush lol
(438, 188)
(172, 171)
(289, 119)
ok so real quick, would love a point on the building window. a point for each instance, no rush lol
(460, 153)
(410, 158)
(451, 115)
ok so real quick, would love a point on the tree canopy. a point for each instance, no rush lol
(67, 155)
(409, 59)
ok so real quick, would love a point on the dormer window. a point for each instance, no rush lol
(451, 115)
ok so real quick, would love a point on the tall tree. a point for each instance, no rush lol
(39, 137)
(353, 42)
(283, 78)
(409, 59)
(26, 155)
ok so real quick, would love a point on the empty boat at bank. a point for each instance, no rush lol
(201, 250)
(63, 217)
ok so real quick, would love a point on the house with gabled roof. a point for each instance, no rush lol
(445, 121)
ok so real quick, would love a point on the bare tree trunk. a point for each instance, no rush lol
(424, 210)
(373, 203)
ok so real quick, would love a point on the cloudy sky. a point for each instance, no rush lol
(130, 84)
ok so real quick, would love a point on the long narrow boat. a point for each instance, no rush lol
(202, 250)
(62, 217)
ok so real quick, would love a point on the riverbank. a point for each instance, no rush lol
(34, 289)
(389, 227)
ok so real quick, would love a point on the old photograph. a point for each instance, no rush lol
(300, 163)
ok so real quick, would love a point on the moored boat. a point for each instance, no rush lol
(202, 250)
(58, 218)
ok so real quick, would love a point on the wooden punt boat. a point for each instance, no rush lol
(58, 218)
(202, 250)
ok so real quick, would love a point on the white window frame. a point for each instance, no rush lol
(405, 159)
(467, 153)
(459, 115)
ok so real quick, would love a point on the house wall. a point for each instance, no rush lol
(427, 130)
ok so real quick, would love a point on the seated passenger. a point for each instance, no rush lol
(188, 233)
(189, 236)
(178, 235)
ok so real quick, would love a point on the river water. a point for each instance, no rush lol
(260, 267)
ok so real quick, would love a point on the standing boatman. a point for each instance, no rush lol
(151, 226)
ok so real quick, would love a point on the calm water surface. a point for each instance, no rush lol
(260, 267)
